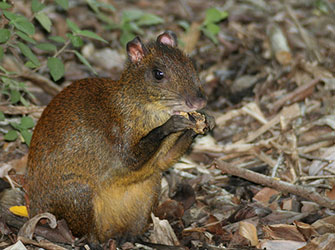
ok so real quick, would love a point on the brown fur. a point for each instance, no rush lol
(95, 159)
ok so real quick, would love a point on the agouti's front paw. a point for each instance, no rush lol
(178, 123)
(202, 121)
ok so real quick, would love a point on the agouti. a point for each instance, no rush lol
(100, 146)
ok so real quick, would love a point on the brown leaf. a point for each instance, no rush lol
(170, 210)
(331, 194)
(214, 226)
(323, 242)
(283, 232)
(42, 243)
(265, 195)
(306, 230)
(325, 225)
(249, 231)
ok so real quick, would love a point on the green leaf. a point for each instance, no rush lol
(213, 15)
(74, 27)
(131, 15)
(2, 116)
(36, 6)
(27, 122)
(15, 125)
(24, 101)
(20, 22)
(25, 37)
(28, 53)
(26, 136)
(321, 5)
(21, 85)
(5, 6)
(185, 25)
(14, 96)
(11, 135)
(76, 40)
(210, 35)
(44, 20)
(1, 53)
(24, 25)
(63, 3)
(133, 27)
(4, 35)
(11, 16)
(30, 65)
(213, 28)
(149, 19)
(84, 61)
(57, 39)
(91, 34)
(56, 68)
(95, 5)
(126, 37)
(4, 70)
(46, 47)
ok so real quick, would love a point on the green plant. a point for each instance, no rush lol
(209, 26)
(131, 23)
(17, 41)
(26, 123)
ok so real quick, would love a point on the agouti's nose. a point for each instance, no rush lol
(196, 102)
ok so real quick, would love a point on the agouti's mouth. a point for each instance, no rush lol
(189, 106)
(180, 112)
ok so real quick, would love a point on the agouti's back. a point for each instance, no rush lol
(100, 146)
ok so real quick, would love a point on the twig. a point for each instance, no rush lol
(21, 110)
(43, 82)
(298, 94)
(326, 137)
(312, 157)
(317, 177)
(315, 146)
(309, 42)
(282, 186)
(288, 113)
(278, 163)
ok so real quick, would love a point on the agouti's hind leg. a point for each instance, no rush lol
(74, 204)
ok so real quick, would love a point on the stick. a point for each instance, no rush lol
(282, 186)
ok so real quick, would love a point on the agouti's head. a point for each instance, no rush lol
(161, 72)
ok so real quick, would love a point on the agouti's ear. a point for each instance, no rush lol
(136, 50)
(168, 38)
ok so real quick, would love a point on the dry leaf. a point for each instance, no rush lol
(17, 246)
(280, 244)
(325, 225)
(170, 209)
(331, 194)
(323, 242)
(283, 232)
(249, 231)
(306, 230)
(28, 229)
(163, 232)
(265, 195)
(19, 210)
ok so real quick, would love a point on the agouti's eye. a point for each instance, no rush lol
(159, 75)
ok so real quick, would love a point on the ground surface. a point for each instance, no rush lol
(271, 87)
